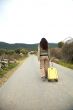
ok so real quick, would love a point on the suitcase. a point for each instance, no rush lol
(52, 74)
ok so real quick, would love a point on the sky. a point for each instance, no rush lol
(27, 21)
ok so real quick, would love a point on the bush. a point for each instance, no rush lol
(6, 69)
(56, 52)
(2, 51)
(10, 52)
(67, 51)
(60, 44)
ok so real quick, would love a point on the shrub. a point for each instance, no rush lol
(60, 44)
(56, 52)
(67, 51)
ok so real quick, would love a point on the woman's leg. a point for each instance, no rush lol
(42, 66)
(46, 65)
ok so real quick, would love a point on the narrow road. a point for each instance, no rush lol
(26, 91)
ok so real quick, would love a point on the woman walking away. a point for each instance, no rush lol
(43, 57)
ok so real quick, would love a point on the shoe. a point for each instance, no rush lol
(43, 78)
(46, 76)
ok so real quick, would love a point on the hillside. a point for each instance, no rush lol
(4, 45)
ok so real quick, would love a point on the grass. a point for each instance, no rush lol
(6, 69)
(66, 64)
(11, 66)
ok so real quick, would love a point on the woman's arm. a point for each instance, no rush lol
(38, 52)
(49, 54)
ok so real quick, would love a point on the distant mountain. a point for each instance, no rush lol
(4, 45)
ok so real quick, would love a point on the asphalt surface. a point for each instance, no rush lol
(26, 91)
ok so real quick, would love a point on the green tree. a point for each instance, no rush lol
(18, 51)
(60, 44)
(24, 51)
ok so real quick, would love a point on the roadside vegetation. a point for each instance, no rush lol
(6, 69)
(9, 59)
(63, 54)
(63, 63)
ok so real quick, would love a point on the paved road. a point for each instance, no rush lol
(26, 91)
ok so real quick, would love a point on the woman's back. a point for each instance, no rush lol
(43, 52)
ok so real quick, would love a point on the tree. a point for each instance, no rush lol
(24, 51)
(18, 51)
(60, 44)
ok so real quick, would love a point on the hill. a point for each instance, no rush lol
(4, 45)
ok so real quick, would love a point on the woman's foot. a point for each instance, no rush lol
(43, 78)
(46, 76)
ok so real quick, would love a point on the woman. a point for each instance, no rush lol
(43, 57)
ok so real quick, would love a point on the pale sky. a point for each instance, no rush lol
(27, 21)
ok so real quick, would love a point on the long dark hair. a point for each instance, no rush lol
(44, 44)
